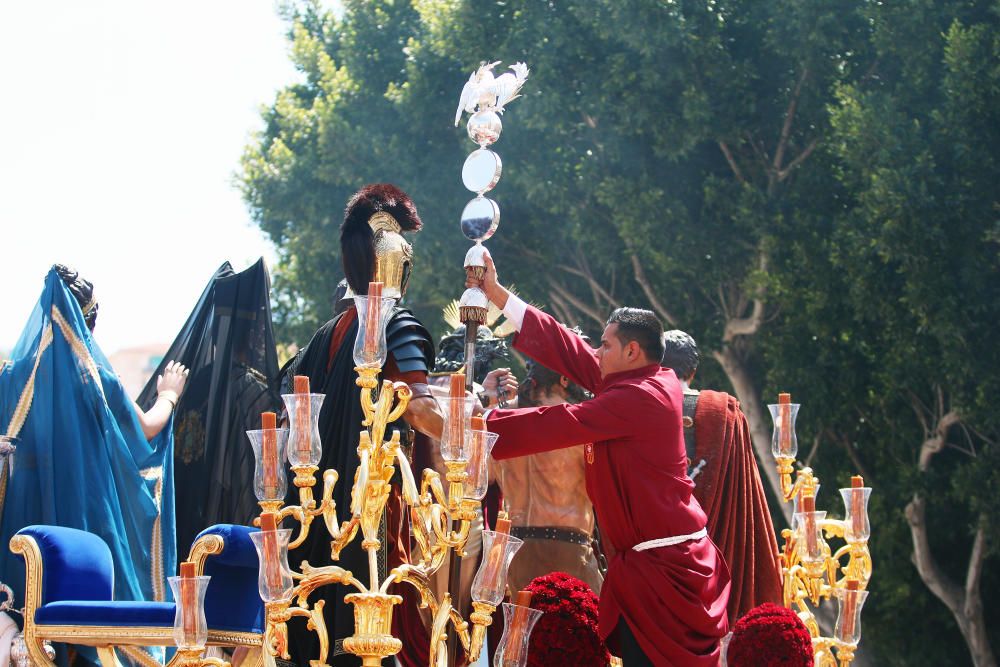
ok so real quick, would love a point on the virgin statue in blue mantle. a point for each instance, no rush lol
(83, 459)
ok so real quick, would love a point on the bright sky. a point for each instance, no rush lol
(122, 125)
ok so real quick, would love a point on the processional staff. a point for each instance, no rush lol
(484, 96)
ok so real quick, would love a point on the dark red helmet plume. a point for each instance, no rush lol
(376, 197)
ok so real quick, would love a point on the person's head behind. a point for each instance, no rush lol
(82, 290)
(543, 386)
(633, 338)
(680, 353)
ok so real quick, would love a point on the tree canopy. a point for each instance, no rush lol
(809, 189)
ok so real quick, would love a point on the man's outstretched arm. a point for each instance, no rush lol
(525, 431)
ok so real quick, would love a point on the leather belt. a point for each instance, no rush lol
(571, 535)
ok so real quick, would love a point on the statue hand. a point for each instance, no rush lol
(500, 385)
(171, 383)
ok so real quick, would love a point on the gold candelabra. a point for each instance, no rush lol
(440, 521)
(811, 570)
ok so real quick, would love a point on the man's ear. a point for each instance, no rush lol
(564, 381)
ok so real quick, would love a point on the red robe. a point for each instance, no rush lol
(673, 598)
(732, 495)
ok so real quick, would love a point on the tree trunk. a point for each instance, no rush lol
(760, 421)
(965, 605)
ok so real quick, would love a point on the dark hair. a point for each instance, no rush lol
(82, 290)
(539, 379)
(357, 246)
(641, 326)
(680, 353)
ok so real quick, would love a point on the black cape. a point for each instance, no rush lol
(228, 345)
(410, 346)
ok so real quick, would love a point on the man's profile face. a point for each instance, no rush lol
(611, 354)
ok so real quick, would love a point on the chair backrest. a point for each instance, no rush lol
(232, 602)
(76, 565)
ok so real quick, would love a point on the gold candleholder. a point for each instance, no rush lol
(812, 572)
(440, 522)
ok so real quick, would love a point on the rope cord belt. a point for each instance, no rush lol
(670, 541)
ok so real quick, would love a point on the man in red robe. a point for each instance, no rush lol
(664, 598)
(727, 482)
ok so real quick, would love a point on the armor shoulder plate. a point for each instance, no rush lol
(409, 342)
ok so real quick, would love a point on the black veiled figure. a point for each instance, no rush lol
(228, 344)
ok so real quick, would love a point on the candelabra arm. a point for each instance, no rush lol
(368, 381)
(275, 640)
(348, 530)
(393, 399)
(859, 564)
(317, 624)
(805, 481)
(456, 477)
(833, 527)
(358, 491)
(410, 494)
(449, 539)
(420, 528)
(306, 510)
(328, 506)
(459, 538)
(403, 395)
(462, 630)
(438, 626)
(415, 575)
(832, 564)
(315, 577)
(432, 484)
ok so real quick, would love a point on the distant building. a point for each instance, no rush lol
(135, 365)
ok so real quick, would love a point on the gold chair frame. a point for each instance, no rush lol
(127, 639)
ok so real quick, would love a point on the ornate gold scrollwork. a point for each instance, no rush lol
(440, 521)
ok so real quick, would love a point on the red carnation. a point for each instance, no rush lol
(567, 632)
(770, 636)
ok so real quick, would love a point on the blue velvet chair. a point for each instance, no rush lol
(69, 595)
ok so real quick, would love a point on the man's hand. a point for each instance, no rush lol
(490, 284)
(500, 385)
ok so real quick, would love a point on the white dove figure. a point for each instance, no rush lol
(508, 85)
(479, 89)
(470, 94)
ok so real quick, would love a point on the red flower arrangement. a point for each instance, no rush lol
(770, 636)
(567, 632)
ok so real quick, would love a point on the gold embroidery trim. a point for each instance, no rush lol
(156, 544)
(28, 394)
(79, 349)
